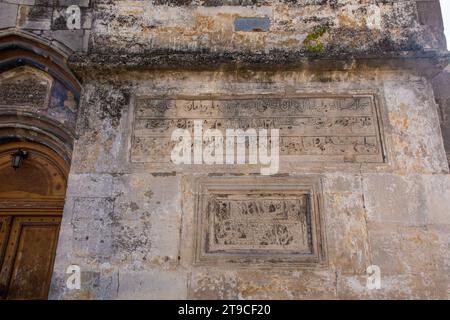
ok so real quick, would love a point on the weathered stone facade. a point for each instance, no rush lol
(363, 179)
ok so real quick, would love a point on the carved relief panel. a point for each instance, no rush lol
(25, 87)
(260, 220)
(342, 128)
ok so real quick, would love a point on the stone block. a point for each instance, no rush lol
(142, 201)
(289, 285)
(80, 3)
(440, 247)
(346, 223)
(415, 141)
(74, 39)
(401, 287)
(347, 242)
(152, 285)
(92, 227)
(8, 15)
(35, 17)
(399, 249)
(436, 189)
(95, 285)
(27, 2)
(394, 198)
(90, 185)
(60, 18)
(204, 285)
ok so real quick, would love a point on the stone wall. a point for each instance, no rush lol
(48, 20)
(363, 177)
(305, 27)
(132, 226)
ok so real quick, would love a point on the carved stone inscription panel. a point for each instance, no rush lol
(25, 90)
(259, 220)
(342, 128)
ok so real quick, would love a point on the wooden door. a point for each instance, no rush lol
(29, 256)
(31, 202)
(5, 226)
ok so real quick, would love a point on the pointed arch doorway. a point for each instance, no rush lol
(31, 204)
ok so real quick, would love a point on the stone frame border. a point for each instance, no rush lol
(375, 96)
(305, 184)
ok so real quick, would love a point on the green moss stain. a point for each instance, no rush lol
(316, 34)
(312, 41)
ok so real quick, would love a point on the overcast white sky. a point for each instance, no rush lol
(445, 5)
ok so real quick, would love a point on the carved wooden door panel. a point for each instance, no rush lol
(28, 260)
(31, 203)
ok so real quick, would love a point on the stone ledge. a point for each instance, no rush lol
(428, 63)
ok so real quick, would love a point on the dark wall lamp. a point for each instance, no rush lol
(18, 157)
